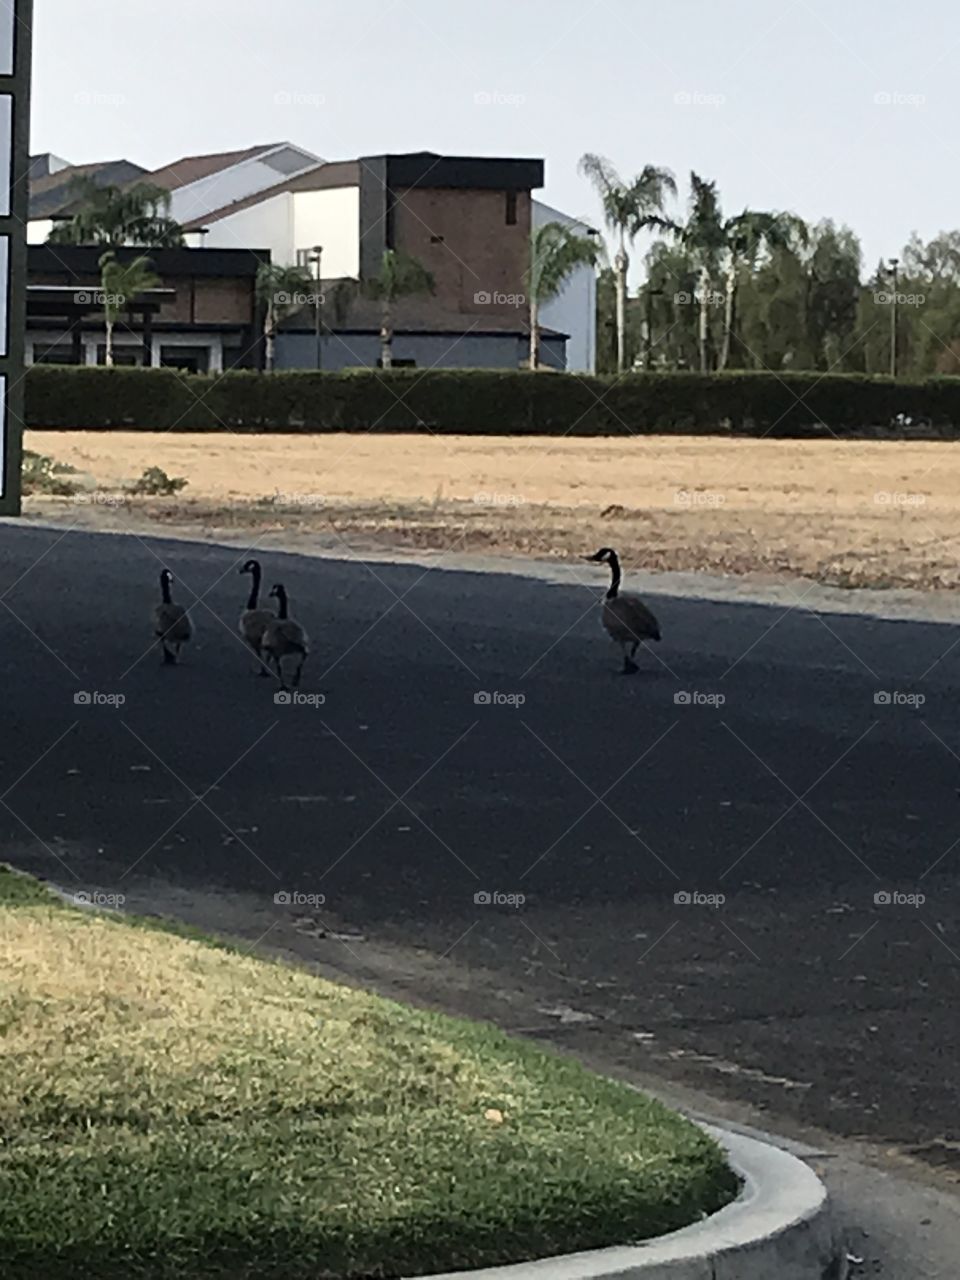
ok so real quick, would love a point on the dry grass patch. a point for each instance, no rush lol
(172, 1108)
(854, 513)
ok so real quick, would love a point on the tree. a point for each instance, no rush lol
(745, 235)
(712, 241)
(628, 209)
(120, 283)
(280, 292)
(116, 216)
(399, 277)
(555, 252)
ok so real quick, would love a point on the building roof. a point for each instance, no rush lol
(326, 174)
(192, 168)
(81, 262)
(51, 196)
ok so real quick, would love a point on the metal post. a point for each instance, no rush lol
(318, 303)
(894, 263)
(16, 30)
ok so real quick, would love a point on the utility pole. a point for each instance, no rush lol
(16, 27)
(894, 263)
(318, 302)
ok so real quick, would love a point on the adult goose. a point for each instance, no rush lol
(171, 622)
(625, 617)
(254, 620)
(284, 638)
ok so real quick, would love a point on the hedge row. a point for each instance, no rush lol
(490, 402)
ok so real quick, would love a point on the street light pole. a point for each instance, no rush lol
(318, 303)
(894, 263)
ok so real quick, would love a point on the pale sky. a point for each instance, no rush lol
(841, 108)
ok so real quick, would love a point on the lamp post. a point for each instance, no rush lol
(894, 263)
(316, 258)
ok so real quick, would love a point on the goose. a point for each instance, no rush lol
(283, 638)
(171, 622)
(254, 621)
(625, 617)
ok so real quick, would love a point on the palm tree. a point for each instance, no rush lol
(555, 251)
(399, 277)
(280, 292)
(120, 283)
(116, 216)
(710, 239)
(628, 209)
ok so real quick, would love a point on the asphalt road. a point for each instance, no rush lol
(399, 798)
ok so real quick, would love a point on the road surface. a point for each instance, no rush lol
(475, 739)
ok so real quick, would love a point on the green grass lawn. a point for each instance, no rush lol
(173, 1108)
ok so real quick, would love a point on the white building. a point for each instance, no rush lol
(479, 214)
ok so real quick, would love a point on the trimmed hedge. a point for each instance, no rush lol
(490, 402)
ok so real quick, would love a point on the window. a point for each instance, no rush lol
(511, 209)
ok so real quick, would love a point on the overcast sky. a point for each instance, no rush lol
(841, 108)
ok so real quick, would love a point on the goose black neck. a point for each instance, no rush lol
(165, 589)
(614, 576)
(254, 587)
(281, 603)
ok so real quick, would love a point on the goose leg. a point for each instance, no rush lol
(298, 673)
(629, 666)
(168, 658)
(262, 668)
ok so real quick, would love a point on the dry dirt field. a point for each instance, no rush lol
(846, 514)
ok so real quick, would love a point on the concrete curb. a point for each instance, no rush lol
(779, 1226)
